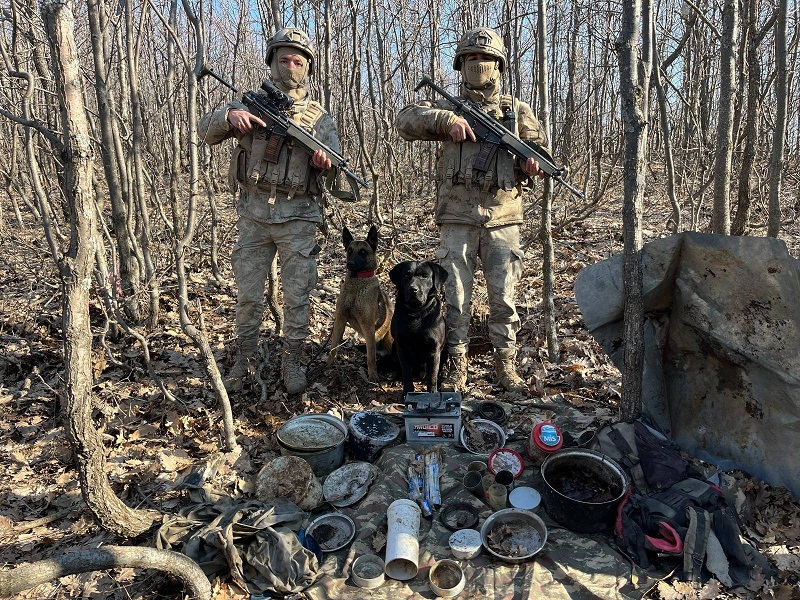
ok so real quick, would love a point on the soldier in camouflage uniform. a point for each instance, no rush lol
(478, 211)
(278, 207)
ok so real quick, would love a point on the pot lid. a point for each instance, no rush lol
(349, 484)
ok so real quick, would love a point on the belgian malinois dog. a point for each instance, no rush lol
(362, 303)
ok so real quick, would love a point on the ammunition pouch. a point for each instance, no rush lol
(270, 163)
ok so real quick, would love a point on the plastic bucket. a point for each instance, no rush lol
(402, 543)
(370, 433)
(325, 460)
(582, 489)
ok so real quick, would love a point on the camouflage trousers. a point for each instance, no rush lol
(251, 259)
(501, 259)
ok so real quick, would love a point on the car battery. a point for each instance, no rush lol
(432, 418)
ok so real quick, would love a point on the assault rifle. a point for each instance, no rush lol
(493, 134)
(272, 107)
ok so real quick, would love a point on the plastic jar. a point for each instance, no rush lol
(545, 439)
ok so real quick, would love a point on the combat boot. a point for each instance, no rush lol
(506, 371)
(244, 367)
(293, 377)
(455, 377)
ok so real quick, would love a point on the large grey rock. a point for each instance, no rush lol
(722, 346)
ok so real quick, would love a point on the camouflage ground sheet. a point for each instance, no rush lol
(570, 565)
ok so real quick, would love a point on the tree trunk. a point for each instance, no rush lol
(721, 217)
(546, 231)
(176, 564)
(128, 264)
(75, 269)
(137, 140)
(779, 137)
(634, 120)
(669, 163)
(570, 109)
(751, 128)
(184, 232)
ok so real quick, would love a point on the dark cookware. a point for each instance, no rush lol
(582, 489)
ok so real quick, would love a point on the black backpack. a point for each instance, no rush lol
(669, 512)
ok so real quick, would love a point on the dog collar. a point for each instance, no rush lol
(362, 274)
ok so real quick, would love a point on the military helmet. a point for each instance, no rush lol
(480, 40)
(293, 38)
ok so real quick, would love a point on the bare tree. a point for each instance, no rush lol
(546, 227)
(75, 269)
(721, 217)
(129, 272)
(779, 137)
(633, 73)
(137, 156)
(752, 119)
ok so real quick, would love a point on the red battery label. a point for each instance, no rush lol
(438, 430)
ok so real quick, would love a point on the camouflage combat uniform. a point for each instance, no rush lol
(278, 211)
(478, 214)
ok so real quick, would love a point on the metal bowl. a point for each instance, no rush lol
(525, 531)
(332, 531)
(312, 432)
(487, 426)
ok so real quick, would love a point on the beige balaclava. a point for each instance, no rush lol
(291, 81)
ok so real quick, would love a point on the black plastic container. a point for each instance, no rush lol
(582, 489)
(370, 433)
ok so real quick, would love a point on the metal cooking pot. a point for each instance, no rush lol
(576, 509)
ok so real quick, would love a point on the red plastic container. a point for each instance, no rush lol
(545, 439)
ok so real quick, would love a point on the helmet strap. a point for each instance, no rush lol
(488, 94)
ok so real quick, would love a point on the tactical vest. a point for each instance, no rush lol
(272, 165)
(480, 164)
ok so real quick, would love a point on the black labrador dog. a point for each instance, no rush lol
(417, 323)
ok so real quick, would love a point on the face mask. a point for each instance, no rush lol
(291, 79)
(480, 73)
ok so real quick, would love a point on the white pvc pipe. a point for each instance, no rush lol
(402, 543)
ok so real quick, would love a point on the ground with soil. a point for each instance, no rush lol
(153, 445)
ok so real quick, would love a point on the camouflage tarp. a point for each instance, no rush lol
(722, 332)
(570, 565)
(255, 542)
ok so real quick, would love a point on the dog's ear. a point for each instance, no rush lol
(439, 275)
(347, 237)
(396, 274)
(372, 238)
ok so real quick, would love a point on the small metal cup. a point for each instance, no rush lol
(505, 478)
(474, 483)
(478, 466)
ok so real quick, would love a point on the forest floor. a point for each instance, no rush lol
(153, 444)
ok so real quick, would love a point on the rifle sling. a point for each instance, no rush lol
(336, 192)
